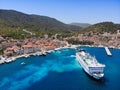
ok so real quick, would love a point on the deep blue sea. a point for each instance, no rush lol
(59, 70)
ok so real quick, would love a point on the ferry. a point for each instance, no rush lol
(90, 64)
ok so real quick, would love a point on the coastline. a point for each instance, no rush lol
(14, 58)
(65, 64)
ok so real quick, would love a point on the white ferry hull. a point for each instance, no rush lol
(86, 69)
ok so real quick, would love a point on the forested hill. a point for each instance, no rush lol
(12, 21)
(102, 27)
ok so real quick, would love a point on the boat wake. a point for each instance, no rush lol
(72, 56)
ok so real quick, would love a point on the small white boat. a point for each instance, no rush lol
(43, 53)
(27, 56)
(34, 54)
(23, 63)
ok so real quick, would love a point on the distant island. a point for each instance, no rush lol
(83, 25)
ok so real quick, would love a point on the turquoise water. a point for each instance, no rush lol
(60, 71)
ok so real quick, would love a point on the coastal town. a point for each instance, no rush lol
(105, 39)
(12, 49)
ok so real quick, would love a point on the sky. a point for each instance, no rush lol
(68, 11)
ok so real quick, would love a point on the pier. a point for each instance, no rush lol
(108, 51)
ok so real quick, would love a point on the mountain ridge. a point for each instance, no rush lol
(12, 20)
(83, 25)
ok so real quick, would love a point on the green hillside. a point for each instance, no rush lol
(100, 28)
(13, 22)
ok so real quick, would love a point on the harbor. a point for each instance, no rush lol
(40, 53)
(60, 69)
(11, 59)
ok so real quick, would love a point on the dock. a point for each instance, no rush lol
(108, 51)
